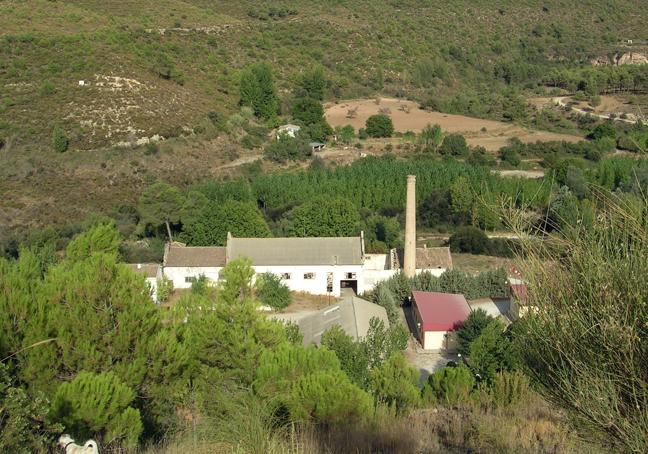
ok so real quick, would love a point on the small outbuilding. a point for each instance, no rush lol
(317, 146)
(437, 317)
(288, 130)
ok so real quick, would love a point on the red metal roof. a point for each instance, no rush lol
(441, 311)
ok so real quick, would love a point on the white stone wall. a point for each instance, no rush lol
(178, 274)
(434, 340)
(317, 285)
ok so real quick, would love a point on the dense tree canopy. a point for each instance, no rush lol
(379, 126)
(210, 226)
(324, 217)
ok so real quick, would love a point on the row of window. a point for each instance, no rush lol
(285, 276)
(310, 276)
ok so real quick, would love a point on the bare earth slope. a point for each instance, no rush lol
(407, 116)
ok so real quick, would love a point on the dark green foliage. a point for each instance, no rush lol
(381, 234)
(24, 424)
(257, 90)
(510, 156)
(451, 386)
(325, 217)
(210, 226)
(60, 139)
(103, 238)
(312, 84)
(161, 204)
(379, 126)
(395, 383)
(469, 239)
(199, 285)
(288, 149)
(310, 385)
(98, 405)
(454, 145)
(471, 329)
(603, 130)
(272, 292)
(491, 352)
(352, 355)
(397, 289)
(308, 111)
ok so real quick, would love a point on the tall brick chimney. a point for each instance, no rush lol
(409, 265)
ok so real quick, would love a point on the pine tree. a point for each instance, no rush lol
(98, 406)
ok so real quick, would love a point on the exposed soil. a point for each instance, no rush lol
(407, 116)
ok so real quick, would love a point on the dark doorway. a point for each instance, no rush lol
(350, 283)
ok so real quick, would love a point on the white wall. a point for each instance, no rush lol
(434, 340)
(177, 274)
(152, 283)
(318, 285)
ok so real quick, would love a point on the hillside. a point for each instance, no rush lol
(158, 67)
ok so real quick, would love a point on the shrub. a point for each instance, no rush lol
(454, 145)
(362, 134)
(98, 405)
(603, 130)
(151, 148)
(395, 383)
(469, 239)
(471, 329)
(491, 352)
(272, 292)
(199, 285)
(164, 289)
(60, 140)
(287, 148)
(449, 386)
(510, 156)
(379, 126)
(509, 388)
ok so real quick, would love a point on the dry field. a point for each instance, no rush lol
(407, 116)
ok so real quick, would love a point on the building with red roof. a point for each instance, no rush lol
(437, 316)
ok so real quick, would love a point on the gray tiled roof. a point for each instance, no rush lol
(297, 251)
(179, 256)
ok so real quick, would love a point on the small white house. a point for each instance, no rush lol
(287, 130)
(183, 264)
(152, 272)
(319, 266)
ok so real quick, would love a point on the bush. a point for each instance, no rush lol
(98, 405)
(199, 285)
(454, 145)
(509, 388)
(471, 329)
(164, 289)
(272, 292)
(287, 148)
(510, 156)
(395, 383)
(379, 126)
(469, 239)
(603, 130)
(449, 386)
(60, 140)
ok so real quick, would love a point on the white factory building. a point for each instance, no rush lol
(320, 266)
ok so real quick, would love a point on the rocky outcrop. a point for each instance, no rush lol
(621, 58)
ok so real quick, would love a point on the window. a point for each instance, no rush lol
(350, 276)
(189, 279)
(285, 276)
(309, 276)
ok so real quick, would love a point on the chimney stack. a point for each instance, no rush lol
(409, 266)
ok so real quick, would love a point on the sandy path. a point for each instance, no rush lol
(407, 116)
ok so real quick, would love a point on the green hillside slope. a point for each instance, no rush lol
(158, 67)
